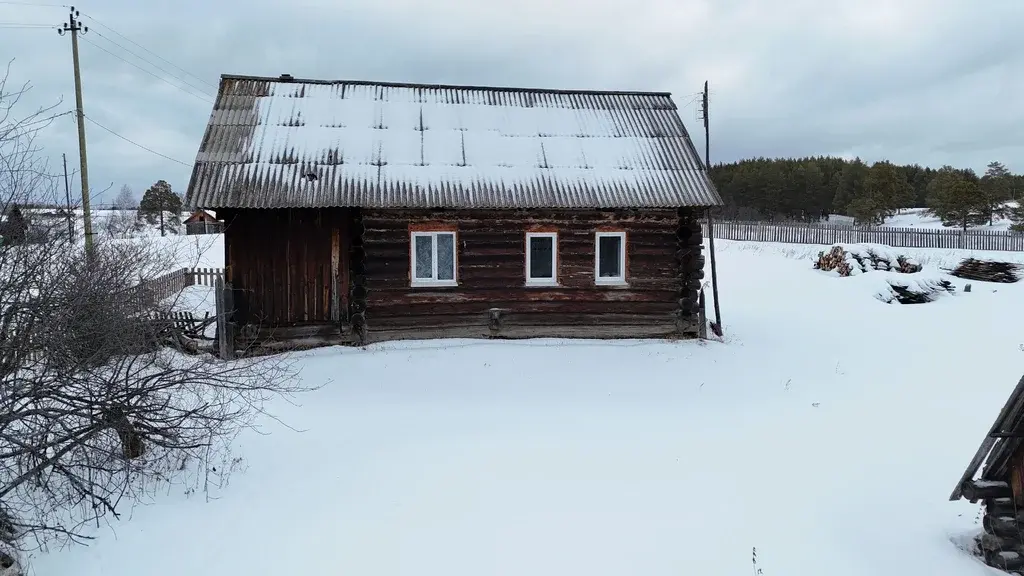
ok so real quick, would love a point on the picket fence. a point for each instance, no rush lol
(171, 283)
(806, 233)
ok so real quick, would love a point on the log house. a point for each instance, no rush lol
(360, 212)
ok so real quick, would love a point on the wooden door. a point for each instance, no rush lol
(340, 275)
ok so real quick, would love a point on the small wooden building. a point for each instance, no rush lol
(1000, 485)
(361, 211)
(202, 222)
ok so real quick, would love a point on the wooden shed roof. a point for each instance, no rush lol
(200, 215)
(287, 143)
(1003, 439)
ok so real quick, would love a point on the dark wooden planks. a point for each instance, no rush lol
(491, 272)
(289, 267)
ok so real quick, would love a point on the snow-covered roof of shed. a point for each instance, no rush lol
(283, 143)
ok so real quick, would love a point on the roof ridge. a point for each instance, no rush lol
(285, 79)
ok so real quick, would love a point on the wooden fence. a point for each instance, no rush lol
(205, 276)
(174, 282)
(204, 227)
(799, 233)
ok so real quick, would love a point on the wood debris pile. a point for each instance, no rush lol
(988, 271)
(851, 260)
(917, 292)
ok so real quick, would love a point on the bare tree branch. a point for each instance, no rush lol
(101, 404)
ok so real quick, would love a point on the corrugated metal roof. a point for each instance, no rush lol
(274, 143)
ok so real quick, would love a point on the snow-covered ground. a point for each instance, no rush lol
(827, 431)
(920, 218)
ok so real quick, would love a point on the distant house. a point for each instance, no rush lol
(1000, 485)
(28, 227)
(202, 222)
(838, 219)
(361, 211)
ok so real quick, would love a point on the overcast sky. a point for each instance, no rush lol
(913, 81)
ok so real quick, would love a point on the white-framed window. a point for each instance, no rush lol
(433, 256)
(541, 258)
(610, 258)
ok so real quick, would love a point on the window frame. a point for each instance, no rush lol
(553, 280)
(606, 280)
(433, 281)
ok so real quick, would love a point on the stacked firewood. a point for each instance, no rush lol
(987, 271)
(851, 260)
(834, 259)
(919, 292)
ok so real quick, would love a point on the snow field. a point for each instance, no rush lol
(827, 431)
(920, 218)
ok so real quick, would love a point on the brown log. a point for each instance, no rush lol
(992, 543)
(380, 295)
(1002, 526)
(975, 490)
(481, 330)
(438, 311)
(1005, 559)
(1002, 507)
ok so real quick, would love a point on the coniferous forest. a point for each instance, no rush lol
(809, 189)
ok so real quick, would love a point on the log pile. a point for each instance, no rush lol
(1002, 543)
(854, 259)
(988, 271)
(920, 291)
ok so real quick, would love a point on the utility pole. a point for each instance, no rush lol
(74, 27)
(67, 200)
(716, 326)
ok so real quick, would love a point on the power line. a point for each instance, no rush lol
(157, 76)
(178, 78)
(95, 20)
(26, 123)
(24, 25)
(34, 4)
(150, 150)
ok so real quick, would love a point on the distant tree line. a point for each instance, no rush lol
(160, 207)
(810, 189)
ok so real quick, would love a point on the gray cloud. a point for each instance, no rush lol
(925, 81)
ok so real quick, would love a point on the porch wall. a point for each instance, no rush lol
(288, 267)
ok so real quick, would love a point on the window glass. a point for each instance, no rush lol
(609, 254)
(446, 256)
(424, 256)
(542, 250)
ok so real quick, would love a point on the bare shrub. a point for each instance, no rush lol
(99, 404)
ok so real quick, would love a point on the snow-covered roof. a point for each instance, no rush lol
(284, 143)
(200, 215)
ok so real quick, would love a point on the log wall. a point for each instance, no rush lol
(663, 271)
(288, 267)
(1001, 544)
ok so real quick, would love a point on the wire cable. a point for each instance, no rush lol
(101, 24)
(8, 25)
(34, 4)
(134, 143)
(171, 74)
(157, 76)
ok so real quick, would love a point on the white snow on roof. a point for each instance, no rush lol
(540, 148)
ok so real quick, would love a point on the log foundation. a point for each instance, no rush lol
(1002, 543)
